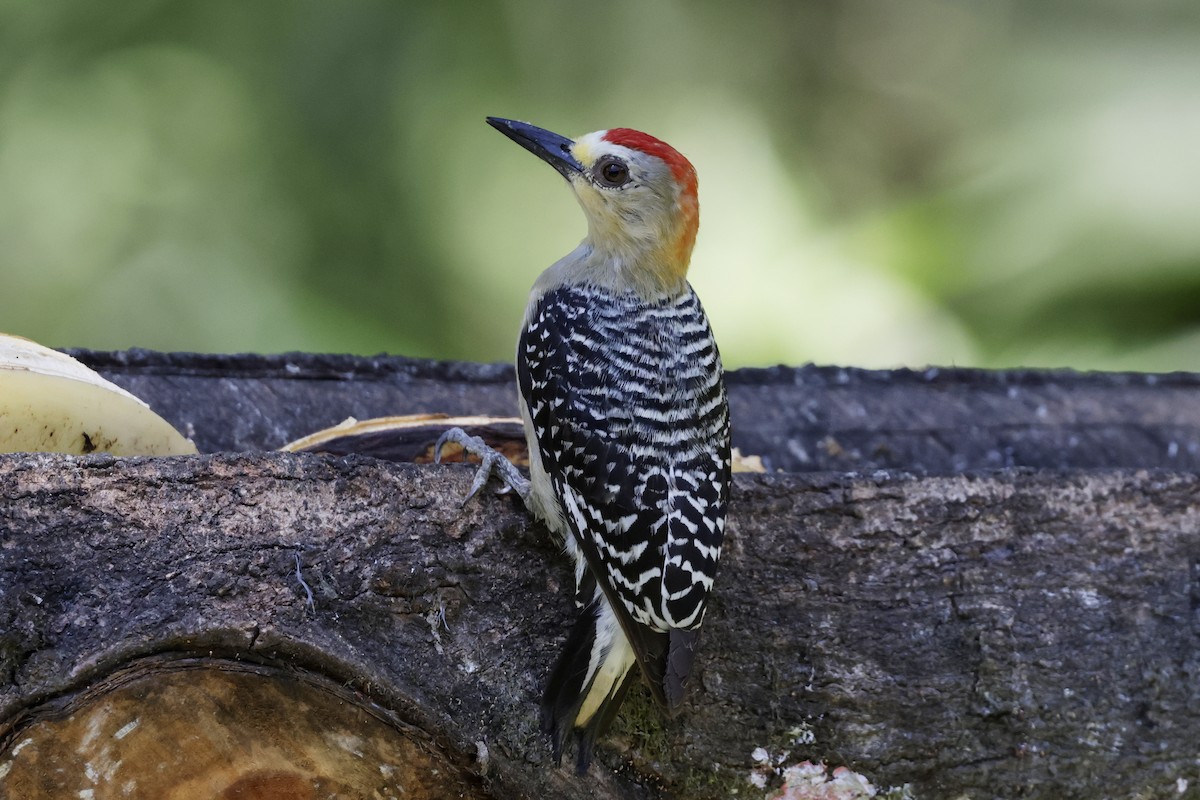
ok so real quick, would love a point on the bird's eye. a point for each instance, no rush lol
(612, 171)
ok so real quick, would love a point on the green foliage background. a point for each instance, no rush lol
(882, 183)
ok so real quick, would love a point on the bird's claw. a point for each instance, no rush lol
(492, 463)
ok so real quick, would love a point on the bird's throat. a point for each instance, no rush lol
(653, 266)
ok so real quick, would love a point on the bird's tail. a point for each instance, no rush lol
(589, 681)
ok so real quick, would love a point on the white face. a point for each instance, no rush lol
(630, 198)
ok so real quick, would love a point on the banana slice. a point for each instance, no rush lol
(412, 438)
(51, 403)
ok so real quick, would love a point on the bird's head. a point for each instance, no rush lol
(638, 193)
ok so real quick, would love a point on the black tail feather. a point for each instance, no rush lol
(681, 652)
(565, 690)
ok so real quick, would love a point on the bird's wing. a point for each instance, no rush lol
(628, 408)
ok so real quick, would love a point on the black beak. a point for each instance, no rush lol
(555, 150)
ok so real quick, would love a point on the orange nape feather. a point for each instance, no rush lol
(685, 176)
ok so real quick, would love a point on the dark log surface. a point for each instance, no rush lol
(801, 420)
(1004, 633)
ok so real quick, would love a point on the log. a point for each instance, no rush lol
(997, 633)
(807, 419)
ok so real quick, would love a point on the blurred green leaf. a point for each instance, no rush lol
(881, 183)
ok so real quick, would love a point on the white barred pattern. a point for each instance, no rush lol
(628, 406)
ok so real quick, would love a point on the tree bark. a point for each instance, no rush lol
(1005, 633)
(806, 419)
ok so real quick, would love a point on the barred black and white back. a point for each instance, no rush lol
(625, 400)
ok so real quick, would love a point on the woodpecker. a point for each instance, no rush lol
(623, 400)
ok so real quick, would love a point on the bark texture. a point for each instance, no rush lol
(1002, 633)
(800, 420)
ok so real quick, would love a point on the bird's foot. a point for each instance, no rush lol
(493, 463)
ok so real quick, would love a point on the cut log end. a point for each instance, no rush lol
(206, 728)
